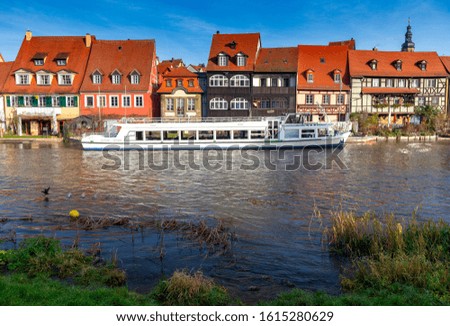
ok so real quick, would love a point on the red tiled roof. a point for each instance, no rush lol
(122, 56)
(359, 59)
(52, 46)
(351, 44)
(180, 73)
(446, 62)
(232, 44)
(389, 90)
(169, 64)
(277, 60)
(323, 60)
(5, 68)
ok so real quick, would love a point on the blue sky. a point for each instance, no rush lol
(183, 29)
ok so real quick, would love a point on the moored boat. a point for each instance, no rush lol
(291, 131)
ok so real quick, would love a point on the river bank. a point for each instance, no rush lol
(393, 263)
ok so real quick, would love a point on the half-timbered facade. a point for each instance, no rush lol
(42, 88)
(274, 82)
(323, 81)
(230, 70)
(446, 62)
(5, 68)
(392, 84)
(121, 80)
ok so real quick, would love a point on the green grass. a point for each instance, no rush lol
(21, 290)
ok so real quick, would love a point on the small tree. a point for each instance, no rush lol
(428, 116)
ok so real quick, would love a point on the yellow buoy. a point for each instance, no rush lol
(74, 215)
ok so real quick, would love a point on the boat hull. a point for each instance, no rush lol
(101, 145)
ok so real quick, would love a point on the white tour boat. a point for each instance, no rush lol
(291, 131)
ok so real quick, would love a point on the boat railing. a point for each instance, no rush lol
(342, 126)
(194, 119)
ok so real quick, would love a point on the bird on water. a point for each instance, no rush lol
(45, 191)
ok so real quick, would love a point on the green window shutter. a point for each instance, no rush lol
(75, 101)
(34, 101)
(62, 101)
(48, 101)
(20, 100)
(8, 101)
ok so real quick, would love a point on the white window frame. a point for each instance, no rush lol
(169, 104)
(310, 77)
(309, 99)
(191, 104)
(97, 78)
(86, 101)
(65, 79)
(101, 101)
(218, 103)
(126, 101)
(401, 83)
(326, 99)
(116, 79)
(340, 99)
(61, 62)
(43, 79)
(135, 79)
(222, 60)
(114, 101)
(431, 82)
(42, 101)
(415, 83)
(337, 78)
(375, 82)
(239, 103)
(241, 60)
(218, 81)
(38, 62)
(23, 79)
(70, 101)
(139, 101)
(389, 82)
(239, 81)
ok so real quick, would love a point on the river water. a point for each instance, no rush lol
(265, 200)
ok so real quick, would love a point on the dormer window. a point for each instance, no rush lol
(310, 76)
(39, 58)
(337, 76)
(191, 83)
(97, 78)
(423, 65)
(43, 78)
(398, 65)
(116, 77)
(23, 79)
(65, 79)
(61, 58)
(135, 77)
(179, 83)
(373, 64)
(241, 59)
(168, 82)
(222, 59)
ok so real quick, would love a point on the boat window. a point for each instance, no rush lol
(240, 134)
(222, 134)
(152, 135)
(170, 135)
(322, 132)
(257, 134)
(308, 133)
(139, 135)
(188, 134)
(291, 133)
(205, 134)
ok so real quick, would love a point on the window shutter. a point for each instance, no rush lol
(20, 100)
(8, 101)
(34, 101)
(62, 101)
(75, 101)
(48, 101)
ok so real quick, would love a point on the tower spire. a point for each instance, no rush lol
(409, 45)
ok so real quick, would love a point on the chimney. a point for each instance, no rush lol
(28, 35)
(88, 40)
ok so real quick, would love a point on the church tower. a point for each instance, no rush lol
(409, 45)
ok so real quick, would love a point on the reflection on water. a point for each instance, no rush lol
(278, 243)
